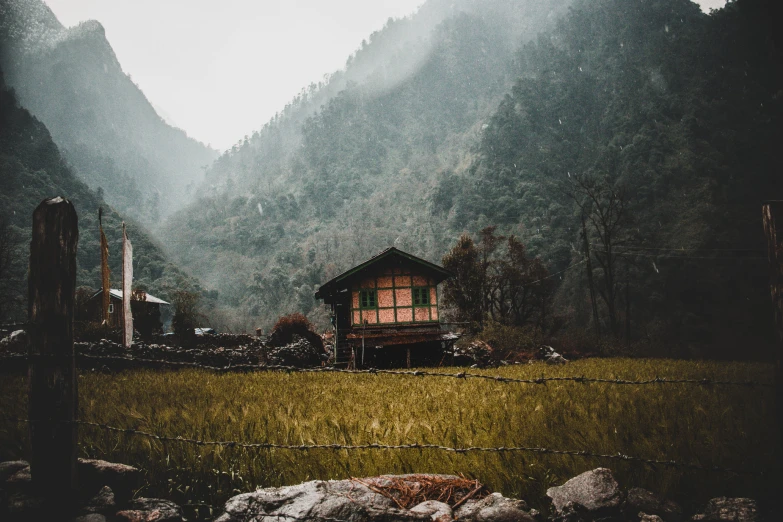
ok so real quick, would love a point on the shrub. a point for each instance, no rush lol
(511, 343)
(294, 324)
(186, 315)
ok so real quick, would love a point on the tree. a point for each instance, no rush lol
(11, 272)
(605, 205)
(464, 291)
(496, 280)
(186, 315)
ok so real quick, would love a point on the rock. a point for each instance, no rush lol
(438, 511)
(151, 510)
(20, 479)
(347, 500)
(573, 512)
(729, 509)
(641, 500)
(9, 468)
(548, 354)
(102, 502)
(495, 508)
(122, 479)
(644, 517)
(596, 490)
(477, 354)
(92, 517)
(24, 506)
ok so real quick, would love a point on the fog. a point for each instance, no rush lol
(220, 70)
(209, 69)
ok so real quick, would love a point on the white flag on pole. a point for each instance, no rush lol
(127, 283)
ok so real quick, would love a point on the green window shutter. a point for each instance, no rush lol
(368, 299)
(421, 296)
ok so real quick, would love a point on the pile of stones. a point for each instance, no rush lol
(221, 350)
(106, 491)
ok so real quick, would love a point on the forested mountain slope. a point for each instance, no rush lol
(31, 169)
(654, 104)
(678, 111)
(345, 170)
(105, 127)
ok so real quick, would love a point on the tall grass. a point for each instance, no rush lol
(707, 425)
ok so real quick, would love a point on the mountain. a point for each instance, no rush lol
(32, 169)
(105, 127)
(470, 114)
(678, 111)
(346, 168)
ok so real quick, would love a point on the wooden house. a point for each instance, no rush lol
(385, 311)
(144, 307)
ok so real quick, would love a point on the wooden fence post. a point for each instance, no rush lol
(773, 214)
(52, 371)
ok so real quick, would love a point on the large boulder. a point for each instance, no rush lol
(596, 491)
(495, 508)
(730, 510)
(346, 500)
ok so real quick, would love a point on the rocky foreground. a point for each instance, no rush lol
(106, 491)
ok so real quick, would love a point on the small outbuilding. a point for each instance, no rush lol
(144, 307)
(385, 312)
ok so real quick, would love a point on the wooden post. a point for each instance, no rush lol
(52, 369)
(772, 212)
(408, 356)
(127, 290)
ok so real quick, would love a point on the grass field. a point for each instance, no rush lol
(707, 425)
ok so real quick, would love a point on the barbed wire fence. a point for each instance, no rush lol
(670, 463)
(131, 362)
(543, 380)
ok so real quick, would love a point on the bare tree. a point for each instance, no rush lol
(605, 205)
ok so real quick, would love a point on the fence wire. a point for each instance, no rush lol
(669, 463)
(418, 373)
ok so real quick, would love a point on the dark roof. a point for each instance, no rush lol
(438, 272)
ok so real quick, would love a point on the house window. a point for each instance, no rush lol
(367, 299)
(421, 296)
(111, 308)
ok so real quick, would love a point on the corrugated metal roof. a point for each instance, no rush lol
(118, 294)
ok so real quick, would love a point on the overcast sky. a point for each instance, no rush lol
(219, 69)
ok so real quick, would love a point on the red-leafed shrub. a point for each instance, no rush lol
(294, 324)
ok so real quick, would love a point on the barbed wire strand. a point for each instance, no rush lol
(424, 373)
(418, 373)
(410, 446)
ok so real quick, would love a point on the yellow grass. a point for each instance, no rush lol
(712, 426)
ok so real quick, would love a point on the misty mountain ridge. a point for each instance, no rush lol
(31, 169)
(71, 80)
